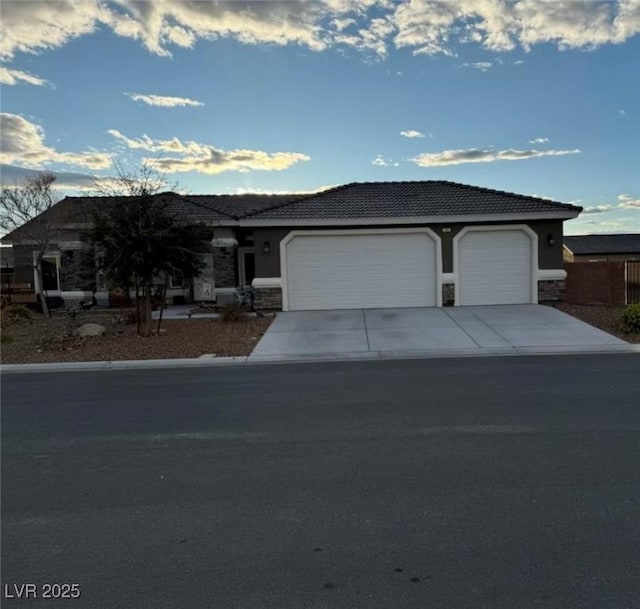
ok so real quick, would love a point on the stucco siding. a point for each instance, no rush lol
(549, 256)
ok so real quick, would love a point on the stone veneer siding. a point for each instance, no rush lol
(551, 290)
(448, 294)
(224, 266)
(268, 298)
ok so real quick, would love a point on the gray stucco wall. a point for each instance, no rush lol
(549, 257)
(268, 265)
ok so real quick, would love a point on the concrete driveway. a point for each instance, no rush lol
(476, 330)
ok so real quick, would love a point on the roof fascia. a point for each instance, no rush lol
(556, 215)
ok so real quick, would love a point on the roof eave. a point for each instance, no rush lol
(378, 221)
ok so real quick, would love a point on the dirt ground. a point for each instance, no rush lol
(603, 317)
(50, 340)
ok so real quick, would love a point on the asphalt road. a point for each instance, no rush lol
(503, 483)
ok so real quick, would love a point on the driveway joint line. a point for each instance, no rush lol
(461, 328)
(492, 329)
(366, 330)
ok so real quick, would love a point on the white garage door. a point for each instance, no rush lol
(494, 267)
(353, 271)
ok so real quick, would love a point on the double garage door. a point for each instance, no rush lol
(356, 271)
(353, 270)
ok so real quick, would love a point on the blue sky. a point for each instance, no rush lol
(527, 96)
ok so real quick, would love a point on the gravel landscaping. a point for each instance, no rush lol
(43, 340)
(603, 317)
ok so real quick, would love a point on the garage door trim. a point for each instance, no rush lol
(533, 238)
(360, 231)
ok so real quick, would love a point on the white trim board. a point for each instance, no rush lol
(76, 294)
(267, 282)
(556, 215)
(551, 274)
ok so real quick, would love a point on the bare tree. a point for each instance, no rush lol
(142, 240)
(140, 182)
(28, 207)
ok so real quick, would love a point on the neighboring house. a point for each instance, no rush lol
(361, 245)
(602, 248)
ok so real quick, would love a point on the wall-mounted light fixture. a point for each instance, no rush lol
(266, 247)
(551, 239)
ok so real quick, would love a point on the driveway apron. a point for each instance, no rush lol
(474, 329)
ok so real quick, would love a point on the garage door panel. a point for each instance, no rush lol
(495, 267)
(360, 271)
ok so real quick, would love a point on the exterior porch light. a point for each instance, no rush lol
(266, 247)
(551, 239)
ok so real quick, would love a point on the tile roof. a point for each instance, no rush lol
(193, 208)
(628, 243)
(239, 206)
(408, 199)
(349, 202)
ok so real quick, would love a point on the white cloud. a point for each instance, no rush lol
(203, 158)
(22, 142)
(430, 27)
(9, 76)
(241, 190)
(539, 140)
(342, 24)
(164, 101)
(38, 26)
(628, 202)
(479, 155)
(33, 27)
(380, 161)
(411, 133)
(612, 226)
(425, 26)
(622, 113)
(597, 209)
(65, 180)
(518, 62)
(483, 66)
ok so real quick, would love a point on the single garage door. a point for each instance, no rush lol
(494, 267)
(353, 271)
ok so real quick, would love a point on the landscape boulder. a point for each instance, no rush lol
(90, 329)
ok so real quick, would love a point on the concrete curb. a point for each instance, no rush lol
(214, 362)
(136, 364)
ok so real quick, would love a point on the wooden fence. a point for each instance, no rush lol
(603, 283)
(632, 280)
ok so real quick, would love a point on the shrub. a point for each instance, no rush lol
(15, 313)
(630, 319)
(232, 312)
(5, 339)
